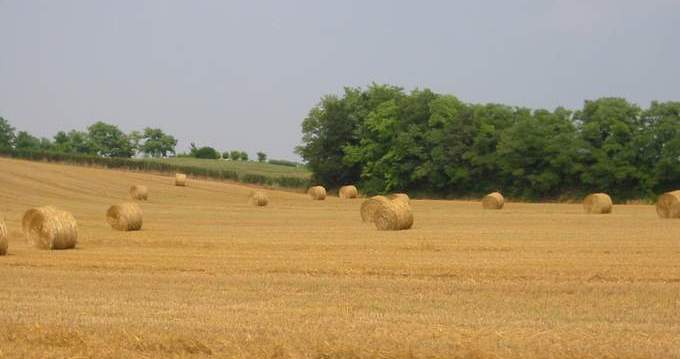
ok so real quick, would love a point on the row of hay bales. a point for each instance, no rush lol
(667, 205)
(51, 228)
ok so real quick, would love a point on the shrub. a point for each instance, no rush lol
(207, 152)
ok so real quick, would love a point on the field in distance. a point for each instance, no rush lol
(210, 274)
(240, 167)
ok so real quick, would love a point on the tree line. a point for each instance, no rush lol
(386, 140)
(100, 139)
(107, 140)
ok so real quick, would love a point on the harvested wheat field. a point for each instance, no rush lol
(210, 274)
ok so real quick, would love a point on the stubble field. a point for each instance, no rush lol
(211, 275)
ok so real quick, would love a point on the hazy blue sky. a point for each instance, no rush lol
(243, 74)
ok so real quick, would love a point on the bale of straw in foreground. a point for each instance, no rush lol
(394, 215)
(3, 238)
(493, 200)
(139, 192)
(668, 205)
(126, 216)
(348, 192)
(180, 179)
(259, 199)
(317, 193)
(402, 196)
(598, 203)
(370, 206)
(50, 228)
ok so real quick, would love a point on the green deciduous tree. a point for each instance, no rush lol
(539, 154)
(261, 157)
(658, 147)
(332, 126)
(157, 143)
(7, 135)
(109, 141)
(206, 152)
(609, 127)
(73, 142)
(26, 142)
(387, 140)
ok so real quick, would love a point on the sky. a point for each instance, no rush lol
(244, 74)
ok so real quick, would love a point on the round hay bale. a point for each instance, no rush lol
(394, 215)
(180, 179)
(348, 192)
(259, 199)
(598, 203)
(493, 200)
(126, 216)
(317, 193)
(50, 228)
(401, 196)
(139, 192)
(668, 205)
(369, 207)
(3, 238)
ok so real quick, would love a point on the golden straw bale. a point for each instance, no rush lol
(394, 215)
(369, 206)
(139, 192)
(348, 192)
(3, 238)
(598, 203)
(180, 180)
(126, 216)
(401, 196)
(317, 193)
(50, 228)
(668, 205)
(493, 200)
(259, 199)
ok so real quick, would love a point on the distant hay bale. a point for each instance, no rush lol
(348, 192)
(50, 228)
(139, 192)
(317, 193)
(668, 205)
(369, 207)
(126, 216)
(402, 196)
(180, 180)
(394, 215)
(493, 200)
(3, 238)
(598, 203)
(259, 199)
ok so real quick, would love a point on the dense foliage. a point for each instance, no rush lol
(205, 152)
(107, 140)
(101, 139)
(386, 140)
